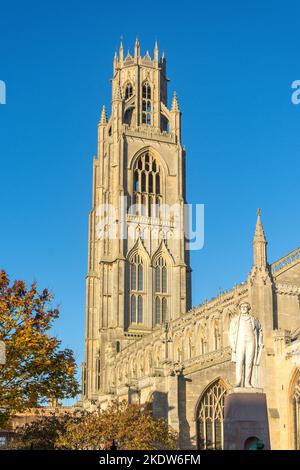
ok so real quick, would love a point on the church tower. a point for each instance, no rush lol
(139, 274)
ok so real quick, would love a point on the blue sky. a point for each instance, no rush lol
(232, 65)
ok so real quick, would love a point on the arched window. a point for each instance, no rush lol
(210, 417)
(136, 289)
(161, 291)
(147, 186)
(146, 104)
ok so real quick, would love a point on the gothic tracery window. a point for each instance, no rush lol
(210, 417)
(136, 289)
(147, 186)
(161, 291)
(146, 104)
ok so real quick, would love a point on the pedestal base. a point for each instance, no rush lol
(245, 418)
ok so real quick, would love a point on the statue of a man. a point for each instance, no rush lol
(246, 342)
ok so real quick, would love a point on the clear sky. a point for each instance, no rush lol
(232, 64)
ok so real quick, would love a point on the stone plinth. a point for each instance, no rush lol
(245, 418)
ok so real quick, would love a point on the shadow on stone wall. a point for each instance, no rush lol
(184, 427)
(160, 405)
(161, 409)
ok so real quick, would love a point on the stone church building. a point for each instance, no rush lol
(144, 343)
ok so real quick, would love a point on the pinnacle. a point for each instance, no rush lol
(175, 105)
(103, 119)
(259, 234)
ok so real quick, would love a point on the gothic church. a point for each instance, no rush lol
(143, 340)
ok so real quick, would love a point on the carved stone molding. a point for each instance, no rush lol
(287, 289)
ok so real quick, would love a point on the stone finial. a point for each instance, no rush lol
(175, 105)
(121, 50)
(259, 230)
(156, 51)
(115, 60)
(103, 118)
(137, 48)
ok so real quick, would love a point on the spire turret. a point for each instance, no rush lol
(259, 243)
(175, 105)
(103, 118)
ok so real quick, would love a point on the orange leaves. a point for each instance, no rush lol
(36, 369)
(130, 426)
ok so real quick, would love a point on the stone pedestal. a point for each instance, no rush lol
(245, 418)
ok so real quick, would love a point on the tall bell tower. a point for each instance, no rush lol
(139, 273)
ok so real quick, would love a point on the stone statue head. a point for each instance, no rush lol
(244, 307)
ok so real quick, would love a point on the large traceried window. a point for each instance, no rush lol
(161, 291)
(147, 195)
(136, 289)
(210, 417)
(146, 104)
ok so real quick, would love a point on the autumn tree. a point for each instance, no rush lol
(36, 368)
(42, 432)
(130, 426)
